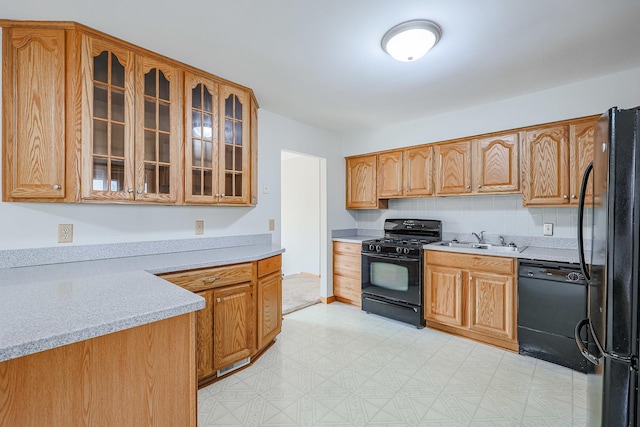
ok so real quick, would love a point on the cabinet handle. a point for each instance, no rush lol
(458, 276)
(565, 197)
(130, 190)
(573, 196)
(140, 191)
(217, 299)
(211, 279)
(56, 187)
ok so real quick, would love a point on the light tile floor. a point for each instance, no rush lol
(335, 365)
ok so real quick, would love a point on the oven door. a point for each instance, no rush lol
(394, 278)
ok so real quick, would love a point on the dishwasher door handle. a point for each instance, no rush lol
(582, 346)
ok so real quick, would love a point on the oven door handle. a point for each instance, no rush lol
(388, 258)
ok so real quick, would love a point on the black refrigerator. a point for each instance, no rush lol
(609, 249)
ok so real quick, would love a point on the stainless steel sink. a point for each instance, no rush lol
(482, 246)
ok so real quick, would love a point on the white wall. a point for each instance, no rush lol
(496, 214)
(300, 215)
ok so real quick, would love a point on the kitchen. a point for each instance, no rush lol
(34, 225)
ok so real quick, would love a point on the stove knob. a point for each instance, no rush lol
(371, 247)
(399, 250)
(406, 250)
(378, 248)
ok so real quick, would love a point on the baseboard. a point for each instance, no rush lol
(328, 300)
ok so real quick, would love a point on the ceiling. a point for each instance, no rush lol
(320, 61)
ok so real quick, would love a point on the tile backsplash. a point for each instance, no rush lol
(502, 215)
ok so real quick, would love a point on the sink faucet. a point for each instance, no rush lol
(480, 237)
(502, 242)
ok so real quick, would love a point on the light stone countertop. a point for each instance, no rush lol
(44, 307)
(353, 239)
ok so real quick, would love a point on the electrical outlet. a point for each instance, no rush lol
(548, 229)
(272, 224)
(65, 233)
(199, 227)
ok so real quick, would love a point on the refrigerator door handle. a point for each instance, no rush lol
(582, 346)
(581, 200)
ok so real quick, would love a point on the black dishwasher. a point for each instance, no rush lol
(552, 299)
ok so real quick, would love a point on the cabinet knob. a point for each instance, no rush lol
(479, 185)
(565, 197)
(222, 195)
(218, 195)
(56, 187)
(470, 278)
(140, 191)
(573, 196)
(130, 190)
(468, 185)
(217, 299)
(211, 279)
(458, 276)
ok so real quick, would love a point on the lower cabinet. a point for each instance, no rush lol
(347, 280)
(473, 296)
(242, 315)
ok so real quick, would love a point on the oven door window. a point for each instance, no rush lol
(390, 276)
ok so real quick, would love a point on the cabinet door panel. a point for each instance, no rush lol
(390, 174)
(581, 140)
(34, 114)
(418, 171)
(158, 123)
(496, 159)
(546, 166)
(454, 168)
(491, 304)
(269, 308)
(233, 323)
(361, 182)
(204, 336)
(443, 295)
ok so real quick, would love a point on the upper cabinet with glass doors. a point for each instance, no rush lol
(217, 148)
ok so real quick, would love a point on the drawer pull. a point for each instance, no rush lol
(211, 279)
(217, 299)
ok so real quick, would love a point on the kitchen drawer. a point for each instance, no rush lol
(491, 264)
(347, 265)
(269, 265)
(207, 278)
(347, 288)
(347, 248)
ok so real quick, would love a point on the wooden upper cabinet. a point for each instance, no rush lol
(107, 120)
(390, 174)
(454, 168)
(545, 166)
(361, 183)
(218, 143)
(158, 131)
(581, 137)
(496, 164)
(418, 171)
(33, 98)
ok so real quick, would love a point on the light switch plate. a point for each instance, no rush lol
(199, 227)
(65, 233)
(272, 224)
(548, 229)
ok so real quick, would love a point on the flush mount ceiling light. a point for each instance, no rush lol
(411, 40)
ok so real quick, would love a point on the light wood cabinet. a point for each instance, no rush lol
(390, 175)
(554, 159)
(418, 171)
(362, 175)
(581, 139)
(233, 324)
(269, 299)
(473, 296)
(496, 164)
(454, 168)
(347, 280)
(90, 118)
(242, 315)
(33, 99)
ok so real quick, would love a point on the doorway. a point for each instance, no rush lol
(301, 229)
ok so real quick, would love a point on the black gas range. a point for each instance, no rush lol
(392, 269)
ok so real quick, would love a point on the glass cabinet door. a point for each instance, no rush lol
(201, 140)
(234, 146)
(158, 122)
(107, 121)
